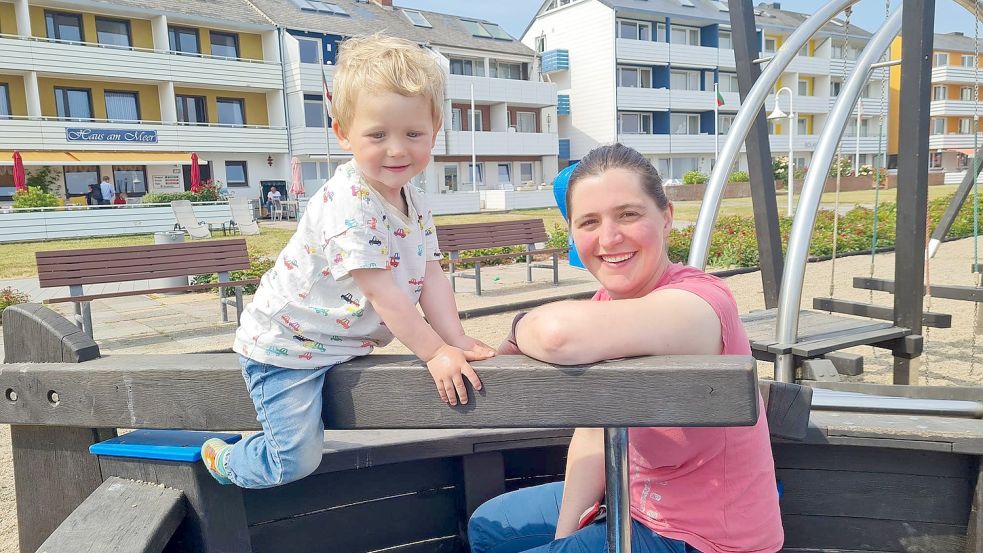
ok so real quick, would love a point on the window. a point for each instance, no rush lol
(802, 128)
(474, 117)
(478, 168)
(5, 111)
(634, 30)
(475, 28)
(684, 80)
(940, 59)
(183, 40)
(310, 50)
(319, 6)
(962, 161)
(540, 44)
(525, 121)
(504, 70)
(686, 3)
(968, 61)
(939, 92)
(64, 26)
(113, 32)
(235, 174)
(835, 87)
(416, 18)
(803, 87)
(684, 35)
(231, 111)
(935, 160)
(456, 119)
(504, 173)
(721, 5)
(313, 111)
(131, 179)
(7, 182)
(191, 109)
(122, 106)
(79, 177)
(724, 124)
(725, 40)
(938, 126)
(224, 45)
(965, 126)
(496, 31)
(73, 103)
(525, 172)
(771, 45)
(450, 178)
(635, 77)
(308, 170)
(462, 66)
(966, 93)
(728, 83)
(684, 123)
(634, 123)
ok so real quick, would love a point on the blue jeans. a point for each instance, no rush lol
(525, 521)
(288, 406)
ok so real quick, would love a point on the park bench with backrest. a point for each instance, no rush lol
(80, 268)
(455, 239)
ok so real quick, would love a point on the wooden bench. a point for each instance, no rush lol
(455, 239)
(78, 268)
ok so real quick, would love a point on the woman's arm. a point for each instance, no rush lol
(584, 484)
(669, 321)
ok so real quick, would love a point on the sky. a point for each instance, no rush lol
(514, 15)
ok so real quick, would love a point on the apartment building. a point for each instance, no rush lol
(509, 159)
(953, 105)
(129, 89)
(642, 72)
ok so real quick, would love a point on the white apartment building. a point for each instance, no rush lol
(953, 106)
(129, 89)
(515, 142)
(642, 72)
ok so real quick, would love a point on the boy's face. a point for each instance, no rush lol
(390, 137)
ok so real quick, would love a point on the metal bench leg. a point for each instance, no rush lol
(223, 277)
(83, 310)
(453, 278)
(477, 278)
(616, 489)
(528, 264)
(238, 304)
(556, 270)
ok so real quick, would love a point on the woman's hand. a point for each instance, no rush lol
(474, 346)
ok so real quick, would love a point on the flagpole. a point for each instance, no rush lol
(327, 117)
(716, 120)
(474, 158)
(856, 155)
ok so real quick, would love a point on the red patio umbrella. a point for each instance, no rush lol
(296, 182)
(20, 177)
(195, 175)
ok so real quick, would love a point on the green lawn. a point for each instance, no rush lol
(18, 259)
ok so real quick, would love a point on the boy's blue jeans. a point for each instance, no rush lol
(525, 521)
(288, 406)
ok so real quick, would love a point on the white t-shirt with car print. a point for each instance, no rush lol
(308, 312)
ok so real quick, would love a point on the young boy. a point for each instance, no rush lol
(365, 252)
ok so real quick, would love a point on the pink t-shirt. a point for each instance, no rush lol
(713, 488)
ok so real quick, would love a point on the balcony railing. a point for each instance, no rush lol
(502, 143)
(954, 141)
(954, 108)
(555, 60)
(89, 60)
(310, 141)
(493, 90)
(54, 134)
(953, 74)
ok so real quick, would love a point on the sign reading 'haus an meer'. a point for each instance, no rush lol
(85, 134)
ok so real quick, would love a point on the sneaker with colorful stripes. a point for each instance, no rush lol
(213, 453)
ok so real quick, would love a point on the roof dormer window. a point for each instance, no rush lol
(320, 7)
(485, 29)
(417, 18)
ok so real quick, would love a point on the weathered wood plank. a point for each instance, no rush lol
(946, 291)
(861, 309)
(846, 533)
(960, 393)
(121, 516)
(872, 459)
(974, 528)
(205, 392)
(956, 435)
(34, 333)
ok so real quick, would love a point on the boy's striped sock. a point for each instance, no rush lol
(213, 453)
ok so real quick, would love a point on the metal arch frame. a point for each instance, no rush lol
(742, 125)
(790, 296)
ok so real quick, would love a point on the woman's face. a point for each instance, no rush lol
(620, 232)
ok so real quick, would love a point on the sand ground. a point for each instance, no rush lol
(951, 354)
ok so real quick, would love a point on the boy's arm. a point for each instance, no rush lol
(446, 363)
(437, 301)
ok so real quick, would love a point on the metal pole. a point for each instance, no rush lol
(750, 108)
(792, 122)
(790, 296)
(616, 489)
(474, 158)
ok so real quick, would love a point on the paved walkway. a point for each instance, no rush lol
(185, 323)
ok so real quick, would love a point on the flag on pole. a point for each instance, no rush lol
(327, 93)
(327, 116)
(720, 98)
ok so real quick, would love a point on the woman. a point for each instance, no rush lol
(94, 195)
(692, 489)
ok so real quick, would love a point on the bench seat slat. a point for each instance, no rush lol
(207, 245)
(140, 265)
(195, 269)
(499, 256)
(189, 288)
(131, 258)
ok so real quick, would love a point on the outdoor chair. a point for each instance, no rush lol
(276, 210)
(242, 217)
(186, 219)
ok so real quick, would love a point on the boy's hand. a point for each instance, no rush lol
(448, 367)
(474, 346)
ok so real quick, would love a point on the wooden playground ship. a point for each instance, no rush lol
(862, 467)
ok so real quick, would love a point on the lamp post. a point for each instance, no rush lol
(779, 114)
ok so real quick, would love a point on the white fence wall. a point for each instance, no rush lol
(55, 224)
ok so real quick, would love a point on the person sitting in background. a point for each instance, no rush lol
(273, 197)
(93, 196)
(120, 199)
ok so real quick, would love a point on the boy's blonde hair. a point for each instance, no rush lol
(379, 63)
